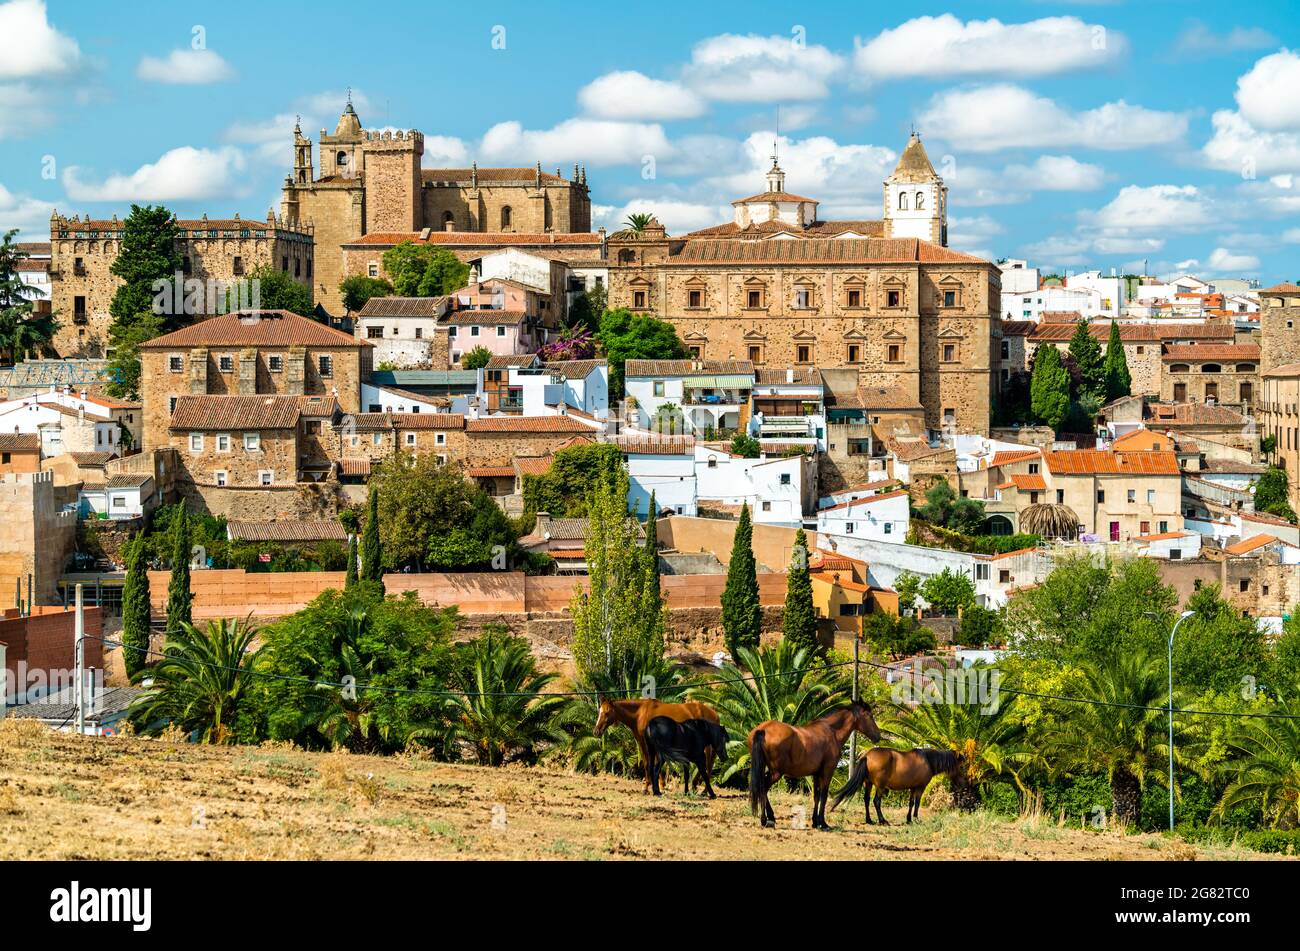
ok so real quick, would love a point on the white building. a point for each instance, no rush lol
(404, 330)
(789, 408)
(886, 517)
(122, 496)
(774, 489)
(695, 396)
(663, 465)
(65, 422)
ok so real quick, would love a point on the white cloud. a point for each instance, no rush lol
(1269, 95)
(1056, 173)
(1221, 259)
(971, 234)
(1059, 251)
(1237, 146)
(1141, 211)
(445, 151)
(592, 141)
(25, 110)
(29, 46)
(272, 139)
(30, 216)
(945, 47)
(632, 95)
(183, 174)
(1005, 116)
(734, 68)
(185, 67)
(1200, 40)
(678, 217)
(1291, 236)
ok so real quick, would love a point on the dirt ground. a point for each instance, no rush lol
(67, 797)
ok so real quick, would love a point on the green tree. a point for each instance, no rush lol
(1115, 373)
(587, 308)
(638, 221)
(351, 577)
(653, 598)
(799, 624)
(179, 599)
(1272, 495)
(1284, 662)
(1264, 767)
(742, 614)
(22, 331)
(136, 613)
(271, 289)
(1088, 358)
(908, 587)
(359, 288)
(939, 499)
(562, 491)
(476, 359)
(617, 620)
(203, 682)
(1049, 387)
(372, 555)
(148, 264)
(949, 591)
(980, 626)
(897, 636)
(124, 366)
(967, 516)
(503, 715)
(625, 336)
(421, 270)
(1218, 645)
(745, 446)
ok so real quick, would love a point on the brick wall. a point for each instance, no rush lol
(46, 641)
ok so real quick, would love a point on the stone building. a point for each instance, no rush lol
(215, 251)
(497, 440)
(37, 534)
(1226, 374)
(368, 438)
(1279, 326)
(780, 288)
(269, 352)
(373, 182)
(1279, 417)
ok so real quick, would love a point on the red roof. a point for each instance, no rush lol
(1103, 462)
(865, 500)
(1029, 483)
(1007, 457)
(267, 328)
(1208, 351)
(526, 424)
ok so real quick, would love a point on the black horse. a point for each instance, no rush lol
(685, 743)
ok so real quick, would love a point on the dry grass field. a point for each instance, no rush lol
(68, 797)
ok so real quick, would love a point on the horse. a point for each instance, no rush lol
(895, 769)
(686, 743)
(778, 749)
(637, 714)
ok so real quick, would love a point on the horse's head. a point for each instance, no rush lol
(719, 740)
(863, 721)
(605, 717)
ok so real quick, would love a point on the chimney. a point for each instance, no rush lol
(543, 525)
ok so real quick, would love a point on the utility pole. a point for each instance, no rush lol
(853, 737)
(79, 689)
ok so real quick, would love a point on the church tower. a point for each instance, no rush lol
(916, 198)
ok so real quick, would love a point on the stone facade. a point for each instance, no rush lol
(1279, 326)
(36, 536)
(82, 252)
(1279, 417)
(1227, 375)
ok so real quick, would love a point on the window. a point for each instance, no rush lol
(372, 270)
(785, 478)
(754, 299)
(1004, 576)
(1060, 496)
(79, 307)
(326, 365)
(440, 439)
(506, 217)
(223, 442)
(1244, 584)
(119, 501)
(981, 572)
(410, 439)
(473, 331)
(284, 263)
(1132, 496)
(893, 298)
(920, 201)
(171, 404)
(175, 363)
(889, 528)
(219, 477)
(275, 362)
(237, 266)
(949, 298)
(1033, 468)
(374, 333)
(1101, 495)
(848, 528)
(949, 353)
(802, 298)
(755, 354)
(419, 333)
(501, 331)
(1151, 496)
(1144, 528)
(225, 363)
(1006, 350)
(1033, 498)
(252, 442)
(894, 353)
(1164, 527)
(803, 353)
(266, 476)
(694, 299)
(377, 439)
(855, 353)
(638, 299)
(902, 201)
(5, 458)
(196, 442)
(854, 298)
(659, 387)
(452, 332)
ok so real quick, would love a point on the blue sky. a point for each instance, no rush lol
(1073, 134)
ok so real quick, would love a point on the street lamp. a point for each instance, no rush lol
(1170, 707)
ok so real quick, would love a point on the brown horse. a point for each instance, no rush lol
(895, 769)
(778, 749)
(637, 714)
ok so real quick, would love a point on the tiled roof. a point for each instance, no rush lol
(503, 362)
(819, 251)
(373, 422)
(1102, 462)
(1152, 332)
(1193, 414)
(1007, 457)
(1285, 288)
(575, 369)
(773, 196)
(465, 318)
(318, 407)
(651, 445)
(267, 328)
(1208, 351)
(94, 460)
(1250, 544)
(1163, 536)
(21, 442)
(911, 449)
(1143, 439)
(775, 376)
(914, 164)
(200, 413)
(475, 238)
(128, 480)
(864, 487)
(887, 397)
(1265, 518)
(491, 472)
(1018, 328)
(497, 175)
(533, 465)
(525, 424)
(62, 706)
(1029, 483)
(403, 307)
(288, 530)
(354, 467)
(869, 228)
(571, 529)
(1061, 316)
(685, 367)
(865, 500)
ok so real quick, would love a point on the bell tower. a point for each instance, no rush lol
(916, 198)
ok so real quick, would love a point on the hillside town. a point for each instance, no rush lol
(462, 463)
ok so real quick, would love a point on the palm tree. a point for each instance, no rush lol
(1121, 728)
(1264, 770)
(347, 717)
(204, 676)
(638, 221)
(1050, 521)
(503, 714)
(988, 740)
(785, 683)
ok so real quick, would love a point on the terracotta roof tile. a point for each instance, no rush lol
(819, 250)
(476, 239)
(267, 328)
(22, 442)
(290, 530)
(1103, 462)
(686, 367)
(1247, 352)
(400, 307)
(1029, 483)
(1250, 544)
(1007, 457)
(525, 424)
(203, 413)
(652, 445)
(865, 500)
(491, 472)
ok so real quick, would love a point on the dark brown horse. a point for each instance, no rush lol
(637, 714)
(895, 769)
(779, 750)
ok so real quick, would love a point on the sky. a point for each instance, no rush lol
(1157, 136)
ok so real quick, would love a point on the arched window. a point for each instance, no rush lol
(341, 158)
(448, 218)
(902, 201)
(920, 201)
(505, 217)
(626, 256)
(1180, 368)
(1211, 368)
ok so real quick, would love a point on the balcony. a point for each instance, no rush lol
(718, 398)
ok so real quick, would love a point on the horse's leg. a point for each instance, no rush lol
(686, 779)
(911, 802)
(652, 767)
(866, 801)
(880, 794)
(645, 758)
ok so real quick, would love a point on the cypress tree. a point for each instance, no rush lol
(652, 548)
(136, 614)
(1087, 357)
(1049, 387)
(742, 615)
(351, 578)
(1119, 382)
(179, 601)
(799, 625)
(372, 560)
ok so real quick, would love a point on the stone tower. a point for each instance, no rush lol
(341, 154)
(1279, 326)
(916, 198)
(394, 183)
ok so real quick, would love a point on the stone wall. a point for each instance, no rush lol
(302, 501)
(36, 536)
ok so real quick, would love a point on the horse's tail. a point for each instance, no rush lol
(857, 777)
(757, 770)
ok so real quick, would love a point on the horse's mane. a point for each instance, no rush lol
(939, 761)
